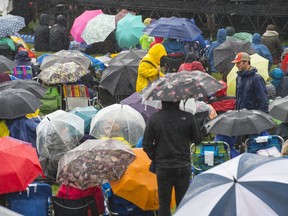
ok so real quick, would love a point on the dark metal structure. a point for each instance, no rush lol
(245, 15)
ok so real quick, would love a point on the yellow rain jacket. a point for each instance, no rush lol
(148, 68)
(4, 131)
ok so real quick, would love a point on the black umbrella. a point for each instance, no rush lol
(279, 109)
(119, 78)
(16, 103)
(240, 122)
(226, 52)
(6, 64)
(32, 86)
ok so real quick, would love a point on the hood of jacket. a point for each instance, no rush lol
(157, 52)
(22, 56)
(270, 33)
(256, 38)
(61, 20)
(44, 19)
(277, 73)
(247, 73)
(221, 35)
(222, 92)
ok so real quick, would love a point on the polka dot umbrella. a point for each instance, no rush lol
(11, 24)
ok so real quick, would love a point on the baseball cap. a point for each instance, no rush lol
(242, 56)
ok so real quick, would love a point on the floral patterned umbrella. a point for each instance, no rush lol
(94, 162)
(98, 28)
(181, 86)
(62, 73)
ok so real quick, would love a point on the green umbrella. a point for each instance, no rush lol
(86, 113)
(98, 28)
(243, 36)
(129, 31)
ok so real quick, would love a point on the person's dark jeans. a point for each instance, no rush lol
(167, 178)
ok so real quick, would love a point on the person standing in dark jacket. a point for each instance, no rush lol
(166, 141)
(59, 35)
(251, 92)
(42, 34)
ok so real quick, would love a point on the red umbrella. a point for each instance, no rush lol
(19, 165)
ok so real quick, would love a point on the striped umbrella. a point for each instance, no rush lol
(249, 184)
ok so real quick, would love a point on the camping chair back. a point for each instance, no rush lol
(76, 96)
(173, 61)
(78, 207)
(22, 72)
(208, 154)
(270, 145)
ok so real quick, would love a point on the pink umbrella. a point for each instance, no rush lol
(80, 23)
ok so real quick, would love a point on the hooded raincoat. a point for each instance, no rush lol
(271, 40)
(41, 34)
(221, 37)
(148, 67)
(59, 35)
(261, 49)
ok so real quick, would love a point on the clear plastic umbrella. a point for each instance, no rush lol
(57, 133)
(118, 121)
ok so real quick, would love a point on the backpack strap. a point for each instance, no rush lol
(149, 62)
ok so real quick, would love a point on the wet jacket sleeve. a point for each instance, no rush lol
(261, 93)
(147, 71)
(196, 135)
(149, 141)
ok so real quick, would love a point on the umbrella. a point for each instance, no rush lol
(19, 165)
(59, 73)
(94, 162)
(279, 109)
(138, 185)
(144, 108)
(129, 30)
(57, 133)
(86, 113)
(240, 122)
(118, 121)
(256, 61)
(10, 24)
(80, 23)
(226, 52)
(122, 14)
(181, 86)
(243, 36)
(31, 86)
(119, 78)
(249, 184)
(16, 103)
(98, 28)
(173, 27)
(64, 56)
(6, 64)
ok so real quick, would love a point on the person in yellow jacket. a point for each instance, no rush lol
(149, 67)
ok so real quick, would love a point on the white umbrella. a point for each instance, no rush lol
(246, 185)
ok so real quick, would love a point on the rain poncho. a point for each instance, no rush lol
(271, 40)
(221, 37)
(261, 49)
(7, 47)
(148, 67)
(4, 131)
(41, 34)
(174, 46)
(277, 75)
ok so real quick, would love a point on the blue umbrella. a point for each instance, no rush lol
(10, 25)
(86, 113)
(173, 27)
(249, 184)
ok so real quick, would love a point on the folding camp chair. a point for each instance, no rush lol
(75, 96)
(22, 72)
(270, 145)
(79, 207)
(208, 154)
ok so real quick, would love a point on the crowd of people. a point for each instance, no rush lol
(170, 131)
